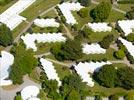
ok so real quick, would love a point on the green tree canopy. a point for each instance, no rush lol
(71, 50)
(101, 12)
(5, 35)
(126, 77)
(105, 43)
(24, 63)
(106, 76)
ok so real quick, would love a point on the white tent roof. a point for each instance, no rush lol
(46, 22)
(83, 69)
(127, 26)
(6, 61)
(128, 45)
(29, 39)
(100, 27)
(66, 9)
(93, 49)
(49, 70)
(30, 93)
(11, 16)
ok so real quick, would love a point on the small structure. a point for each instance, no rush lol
(50, 71)
(93, 49)
(30, 93)
(6, 60)
(30, 39)
(100, 27)
(66, 9)
(46, 23)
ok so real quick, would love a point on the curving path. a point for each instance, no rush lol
(10, 94)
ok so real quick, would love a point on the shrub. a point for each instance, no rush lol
(105, 43)
(84, 12)
(119, 54)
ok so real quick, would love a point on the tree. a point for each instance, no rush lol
(85, 3)
(84, 12)
(101, 12)
(5, 35)
(72, 83)
(126, 77)
(71, 50)
(106, 76)
(105, 43)
(119, 54)
(24, 63)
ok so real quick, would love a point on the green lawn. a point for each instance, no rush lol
(5, 7)
(125, 7)
(82, 21)
(50, 14)
(97, 89)
(35, 76)
(38, 7)
(19, 29)
(114, 16)
(62, 71)
(43, 48)
(98, 36)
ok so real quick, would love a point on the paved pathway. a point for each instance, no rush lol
(10, 94)
(69, 65)
(41, 55)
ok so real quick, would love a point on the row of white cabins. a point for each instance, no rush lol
(12, 19)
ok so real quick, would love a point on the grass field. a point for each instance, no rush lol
(4, 7)
(19, 29)
(38, 7)
(62, 71)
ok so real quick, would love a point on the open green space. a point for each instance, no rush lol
(4, 7)
(38, 7)
(62, 71)
(19, 29)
